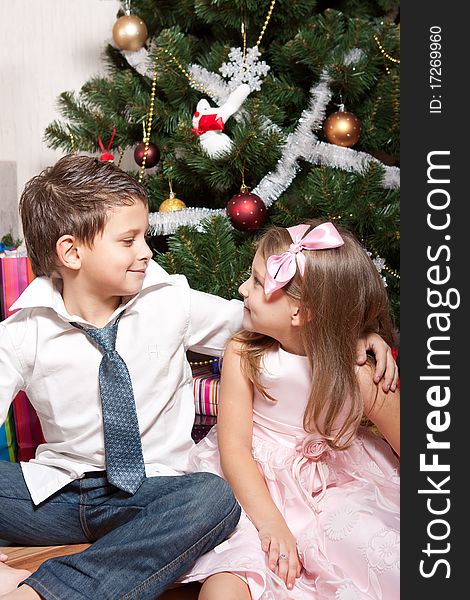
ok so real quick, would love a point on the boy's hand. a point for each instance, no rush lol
(385, 365)
(280, 545)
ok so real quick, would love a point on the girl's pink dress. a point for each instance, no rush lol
(342, 506)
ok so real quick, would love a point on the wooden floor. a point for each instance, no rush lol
(30, 557)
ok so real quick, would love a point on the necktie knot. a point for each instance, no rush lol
(104, 337)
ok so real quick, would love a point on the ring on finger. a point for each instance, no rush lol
(283, 556)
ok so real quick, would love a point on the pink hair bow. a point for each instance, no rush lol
(280, 268)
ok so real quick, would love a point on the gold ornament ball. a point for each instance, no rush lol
(130, 33)
(171, 204)
(342, 128)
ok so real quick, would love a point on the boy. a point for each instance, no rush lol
(117, 419)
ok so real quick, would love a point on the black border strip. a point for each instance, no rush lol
(434, 258)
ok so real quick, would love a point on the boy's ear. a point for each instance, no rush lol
(68, 252)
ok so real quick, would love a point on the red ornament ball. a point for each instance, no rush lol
(246, 211)
(153, 155)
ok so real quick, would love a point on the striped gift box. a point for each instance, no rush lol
(27, 427)
(8, 447)
(16, 276)
(206, 391)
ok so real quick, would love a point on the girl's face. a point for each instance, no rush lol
(273, 314)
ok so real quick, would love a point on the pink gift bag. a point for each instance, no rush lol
(16, 276)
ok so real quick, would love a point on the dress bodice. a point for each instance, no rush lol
(287, 378)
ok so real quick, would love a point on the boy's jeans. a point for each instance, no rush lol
(143, 544)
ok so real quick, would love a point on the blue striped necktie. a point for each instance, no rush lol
(123, 447)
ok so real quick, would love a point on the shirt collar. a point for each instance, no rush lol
(45, 292)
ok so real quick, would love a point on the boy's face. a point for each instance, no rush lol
(115, 265)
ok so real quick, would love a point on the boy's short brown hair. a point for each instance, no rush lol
(74, 197)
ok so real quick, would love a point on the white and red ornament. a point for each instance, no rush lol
(342, 128)
(246, 211)
(106, 155)
(209, 122)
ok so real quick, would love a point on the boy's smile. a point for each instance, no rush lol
(116, 263)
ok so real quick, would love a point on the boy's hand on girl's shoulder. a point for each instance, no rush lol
(386, 369)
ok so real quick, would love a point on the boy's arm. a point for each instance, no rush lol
(212, 321)
(11, 380)
(385, 366)
(235, 430)
(382, 408)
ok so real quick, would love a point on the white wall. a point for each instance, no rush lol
(46, 47)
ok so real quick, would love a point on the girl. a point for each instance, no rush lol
(320, 492)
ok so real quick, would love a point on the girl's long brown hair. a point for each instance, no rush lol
(342, 298)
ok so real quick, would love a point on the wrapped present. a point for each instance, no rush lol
(214, 365)
(202, 424)
(16, 275)
(8, 447)
(206, 391)
(28, 429)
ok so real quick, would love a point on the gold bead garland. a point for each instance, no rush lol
(121, 154)
(192, 81)
(266, 21)
(382, 50)
(386, 268)
(149, 121)
(200, 363)
(391, 272)
(385, 54)
(243, 28)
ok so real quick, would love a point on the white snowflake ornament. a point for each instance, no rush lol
(248, 69)
(379, 265)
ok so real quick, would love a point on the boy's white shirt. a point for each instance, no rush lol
(57, 365)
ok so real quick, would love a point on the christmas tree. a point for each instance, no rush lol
(309, 97)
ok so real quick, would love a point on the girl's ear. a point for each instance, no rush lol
(68, 252)
(297, 319)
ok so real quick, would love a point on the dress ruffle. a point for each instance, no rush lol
(348, 541)
(342, 506)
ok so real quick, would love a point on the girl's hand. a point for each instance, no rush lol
(385, 365)
(279, 544)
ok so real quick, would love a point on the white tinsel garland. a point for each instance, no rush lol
(302, 143)
(166, 223)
